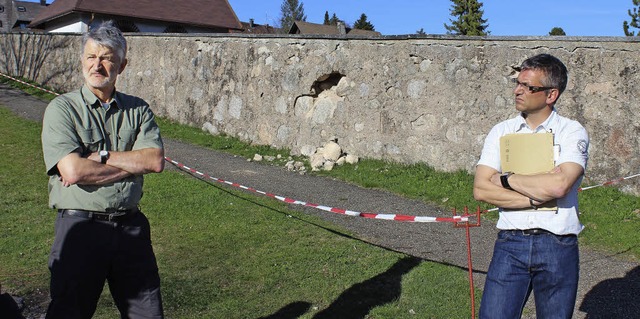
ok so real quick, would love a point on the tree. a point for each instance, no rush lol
(333, 21)
(635, 16)
(291, 11)
(421, 32)
(470, 21)
(557, 31)
(363, 24)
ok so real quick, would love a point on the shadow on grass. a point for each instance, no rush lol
(290, 311)
(9, 309)
(614, 298)
(357, 301)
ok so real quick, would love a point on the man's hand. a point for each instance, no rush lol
(64, 183)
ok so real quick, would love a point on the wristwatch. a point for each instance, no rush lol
(534, 206)
(504, 180)
(104, 156)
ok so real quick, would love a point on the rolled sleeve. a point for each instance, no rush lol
(59, 137)
(149, 133)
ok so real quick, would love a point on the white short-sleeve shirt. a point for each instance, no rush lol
(572, 141)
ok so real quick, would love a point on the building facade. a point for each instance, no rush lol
(15, 16)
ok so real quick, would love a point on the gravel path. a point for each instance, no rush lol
(608, 286)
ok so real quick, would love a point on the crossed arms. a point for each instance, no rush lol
(75, 169)
(540, 188)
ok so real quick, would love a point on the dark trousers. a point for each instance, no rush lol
(88, 252)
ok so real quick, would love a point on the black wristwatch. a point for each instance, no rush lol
(104, 156)
(534, 206)
(504, 180)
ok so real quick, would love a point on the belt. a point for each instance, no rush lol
(528, 232)
(115, 216)
(533, 231)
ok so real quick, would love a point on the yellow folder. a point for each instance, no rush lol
(528, 154)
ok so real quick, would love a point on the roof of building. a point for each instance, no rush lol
(203, 13)
(31, 10)
(303, 27)
(254, 28)
(363, 32)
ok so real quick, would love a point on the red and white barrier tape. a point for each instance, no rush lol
(396, 217)
(615, 181)
(29, 84)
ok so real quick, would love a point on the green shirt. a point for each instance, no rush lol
(78, 122)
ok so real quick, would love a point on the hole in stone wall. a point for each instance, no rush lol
(325, 82)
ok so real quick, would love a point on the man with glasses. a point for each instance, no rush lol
(536, 250)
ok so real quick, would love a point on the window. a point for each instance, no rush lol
(22, 9)
(1, 9)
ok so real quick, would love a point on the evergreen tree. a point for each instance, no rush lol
(363, 24)
(469, 18)
(421, 32)
(291, 11)
(635, 16)
(334, 19)
(557, 31)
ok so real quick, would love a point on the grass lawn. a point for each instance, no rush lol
(224, 253)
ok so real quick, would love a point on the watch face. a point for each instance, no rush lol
(104, 156)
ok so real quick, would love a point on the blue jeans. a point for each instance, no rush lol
(546, 264)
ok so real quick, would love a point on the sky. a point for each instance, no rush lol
(505, 17)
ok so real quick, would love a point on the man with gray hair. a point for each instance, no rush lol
(97, 144)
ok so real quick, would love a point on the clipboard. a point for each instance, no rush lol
(527, 154)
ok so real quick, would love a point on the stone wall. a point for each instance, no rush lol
(429, 99)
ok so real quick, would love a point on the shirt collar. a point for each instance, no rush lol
(93, 101)
(521, 124)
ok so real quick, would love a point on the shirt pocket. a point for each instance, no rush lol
(126, 139)
(91, 140)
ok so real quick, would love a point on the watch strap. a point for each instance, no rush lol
(504, 180)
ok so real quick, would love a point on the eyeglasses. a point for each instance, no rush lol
(532, 89)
